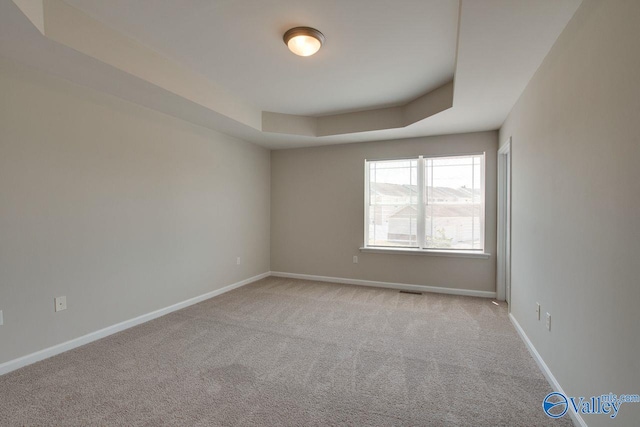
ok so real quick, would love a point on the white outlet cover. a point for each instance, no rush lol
(60, 303)
(1, 318)
(548, 321)
(355, 259)
(238, 261)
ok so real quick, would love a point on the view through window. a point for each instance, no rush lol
(426, 203)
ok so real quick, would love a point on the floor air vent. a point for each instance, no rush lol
(411, 292)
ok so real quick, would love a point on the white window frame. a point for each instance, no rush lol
(421, 249)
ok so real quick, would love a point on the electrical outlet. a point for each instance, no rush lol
(548, 321)
(538, 310)
(238, 261)
(355, 259)
(1, 318)
(60, 303)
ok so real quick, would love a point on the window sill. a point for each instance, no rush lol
(428, 252)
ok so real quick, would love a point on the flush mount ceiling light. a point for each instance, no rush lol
(303, 41)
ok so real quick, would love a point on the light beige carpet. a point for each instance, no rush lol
(285, 352)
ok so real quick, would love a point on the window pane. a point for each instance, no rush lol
(454, 205)
(393, 198)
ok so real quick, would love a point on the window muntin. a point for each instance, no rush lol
(432, 203)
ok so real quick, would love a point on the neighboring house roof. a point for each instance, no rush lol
(448, 210)
(403, 211)
(453, 193)
(444, 193)
(443, 211)
(393, 190)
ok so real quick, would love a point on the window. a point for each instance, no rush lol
(429, 203)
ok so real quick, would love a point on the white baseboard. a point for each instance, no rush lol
(12, 365)
(545, 369)
(390, 285)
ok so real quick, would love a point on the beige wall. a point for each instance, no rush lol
(317, 216)
(576, 205)
(121, 209)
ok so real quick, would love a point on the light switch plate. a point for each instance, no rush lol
(1, 318)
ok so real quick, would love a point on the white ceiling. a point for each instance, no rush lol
(236, 45)
(377, 53)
